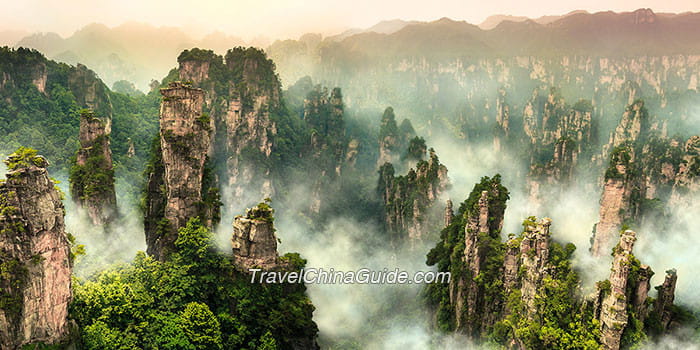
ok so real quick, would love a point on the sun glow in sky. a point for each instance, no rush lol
(288, 18)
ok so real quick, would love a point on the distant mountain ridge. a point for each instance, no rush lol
(140, 52)
(132, 51)
(640, 32)
(383, 27)
(494, 20)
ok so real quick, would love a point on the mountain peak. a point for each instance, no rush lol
(642, 16)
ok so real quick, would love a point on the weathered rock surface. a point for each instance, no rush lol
(502, 119)
(408, 199)
(664, 300)
(92, 93)
(509, 290)
(176, 185)
(388, 138)
(254, 241)
(632, 124)
(92, 176)
(623, 300)
(614, 206)
(646, 172)
(534, 260)
(241, 92)
(449, 213)
(558, 135)
(34, 257)
(687, 180)
(613, 309)
(624, 178)
(393, 139)
(328, 145)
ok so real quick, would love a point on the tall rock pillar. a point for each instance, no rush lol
(35, 283)
(613, 312)
(254, 241)
(184, 143)
(92, 175)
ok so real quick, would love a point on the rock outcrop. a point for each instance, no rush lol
(90, 92)
(484, 222)
(254, 241)
(626, 178)
(393, 139)
(407, 199)
(664, 301)
(622, 302)
(92, 175)
(449, 214)
(615, 203)
(35, 284)
(502, 120)
(388, 138)
(687, 179)
(633, 124)
(178, 187)
(524, 292)
(242, 93)
(613, 308)
(534, 261)
(558, 136)
(328, 144)
(646, 172)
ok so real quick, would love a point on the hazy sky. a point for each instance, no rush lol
(280, 18)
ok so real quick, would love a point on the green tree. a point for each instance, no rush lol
(200, 326)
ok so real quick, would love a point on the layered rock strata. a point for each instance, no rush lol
(254, 241)
(92, 175)
(35, 283)
(177, 182)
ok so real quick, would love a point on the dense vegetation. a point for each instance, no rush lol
(560, 316)
(448, 253)
(94, 178)
(407, 195)
(558, 322)
(49, 119)
(31, 118)
(195, 300)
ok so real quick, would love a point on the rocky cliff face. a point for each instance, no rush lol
(35, 284)
(42, 96)
(242, 93)
(502, 119)
(632, 124)
(622, 304)
(466, 304)
(484, 221)
(615, 203)
(663, 305)
(92, 93)
(558, 134)
(625, 182)
(613, 309)
(178, 187)
(408, 199)
(92, 175)
(647, 173)
(524, 293)
(449, 213)
(328, 147)
(688, 175)
(393, 139)
(534, 261)
(254, 241)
